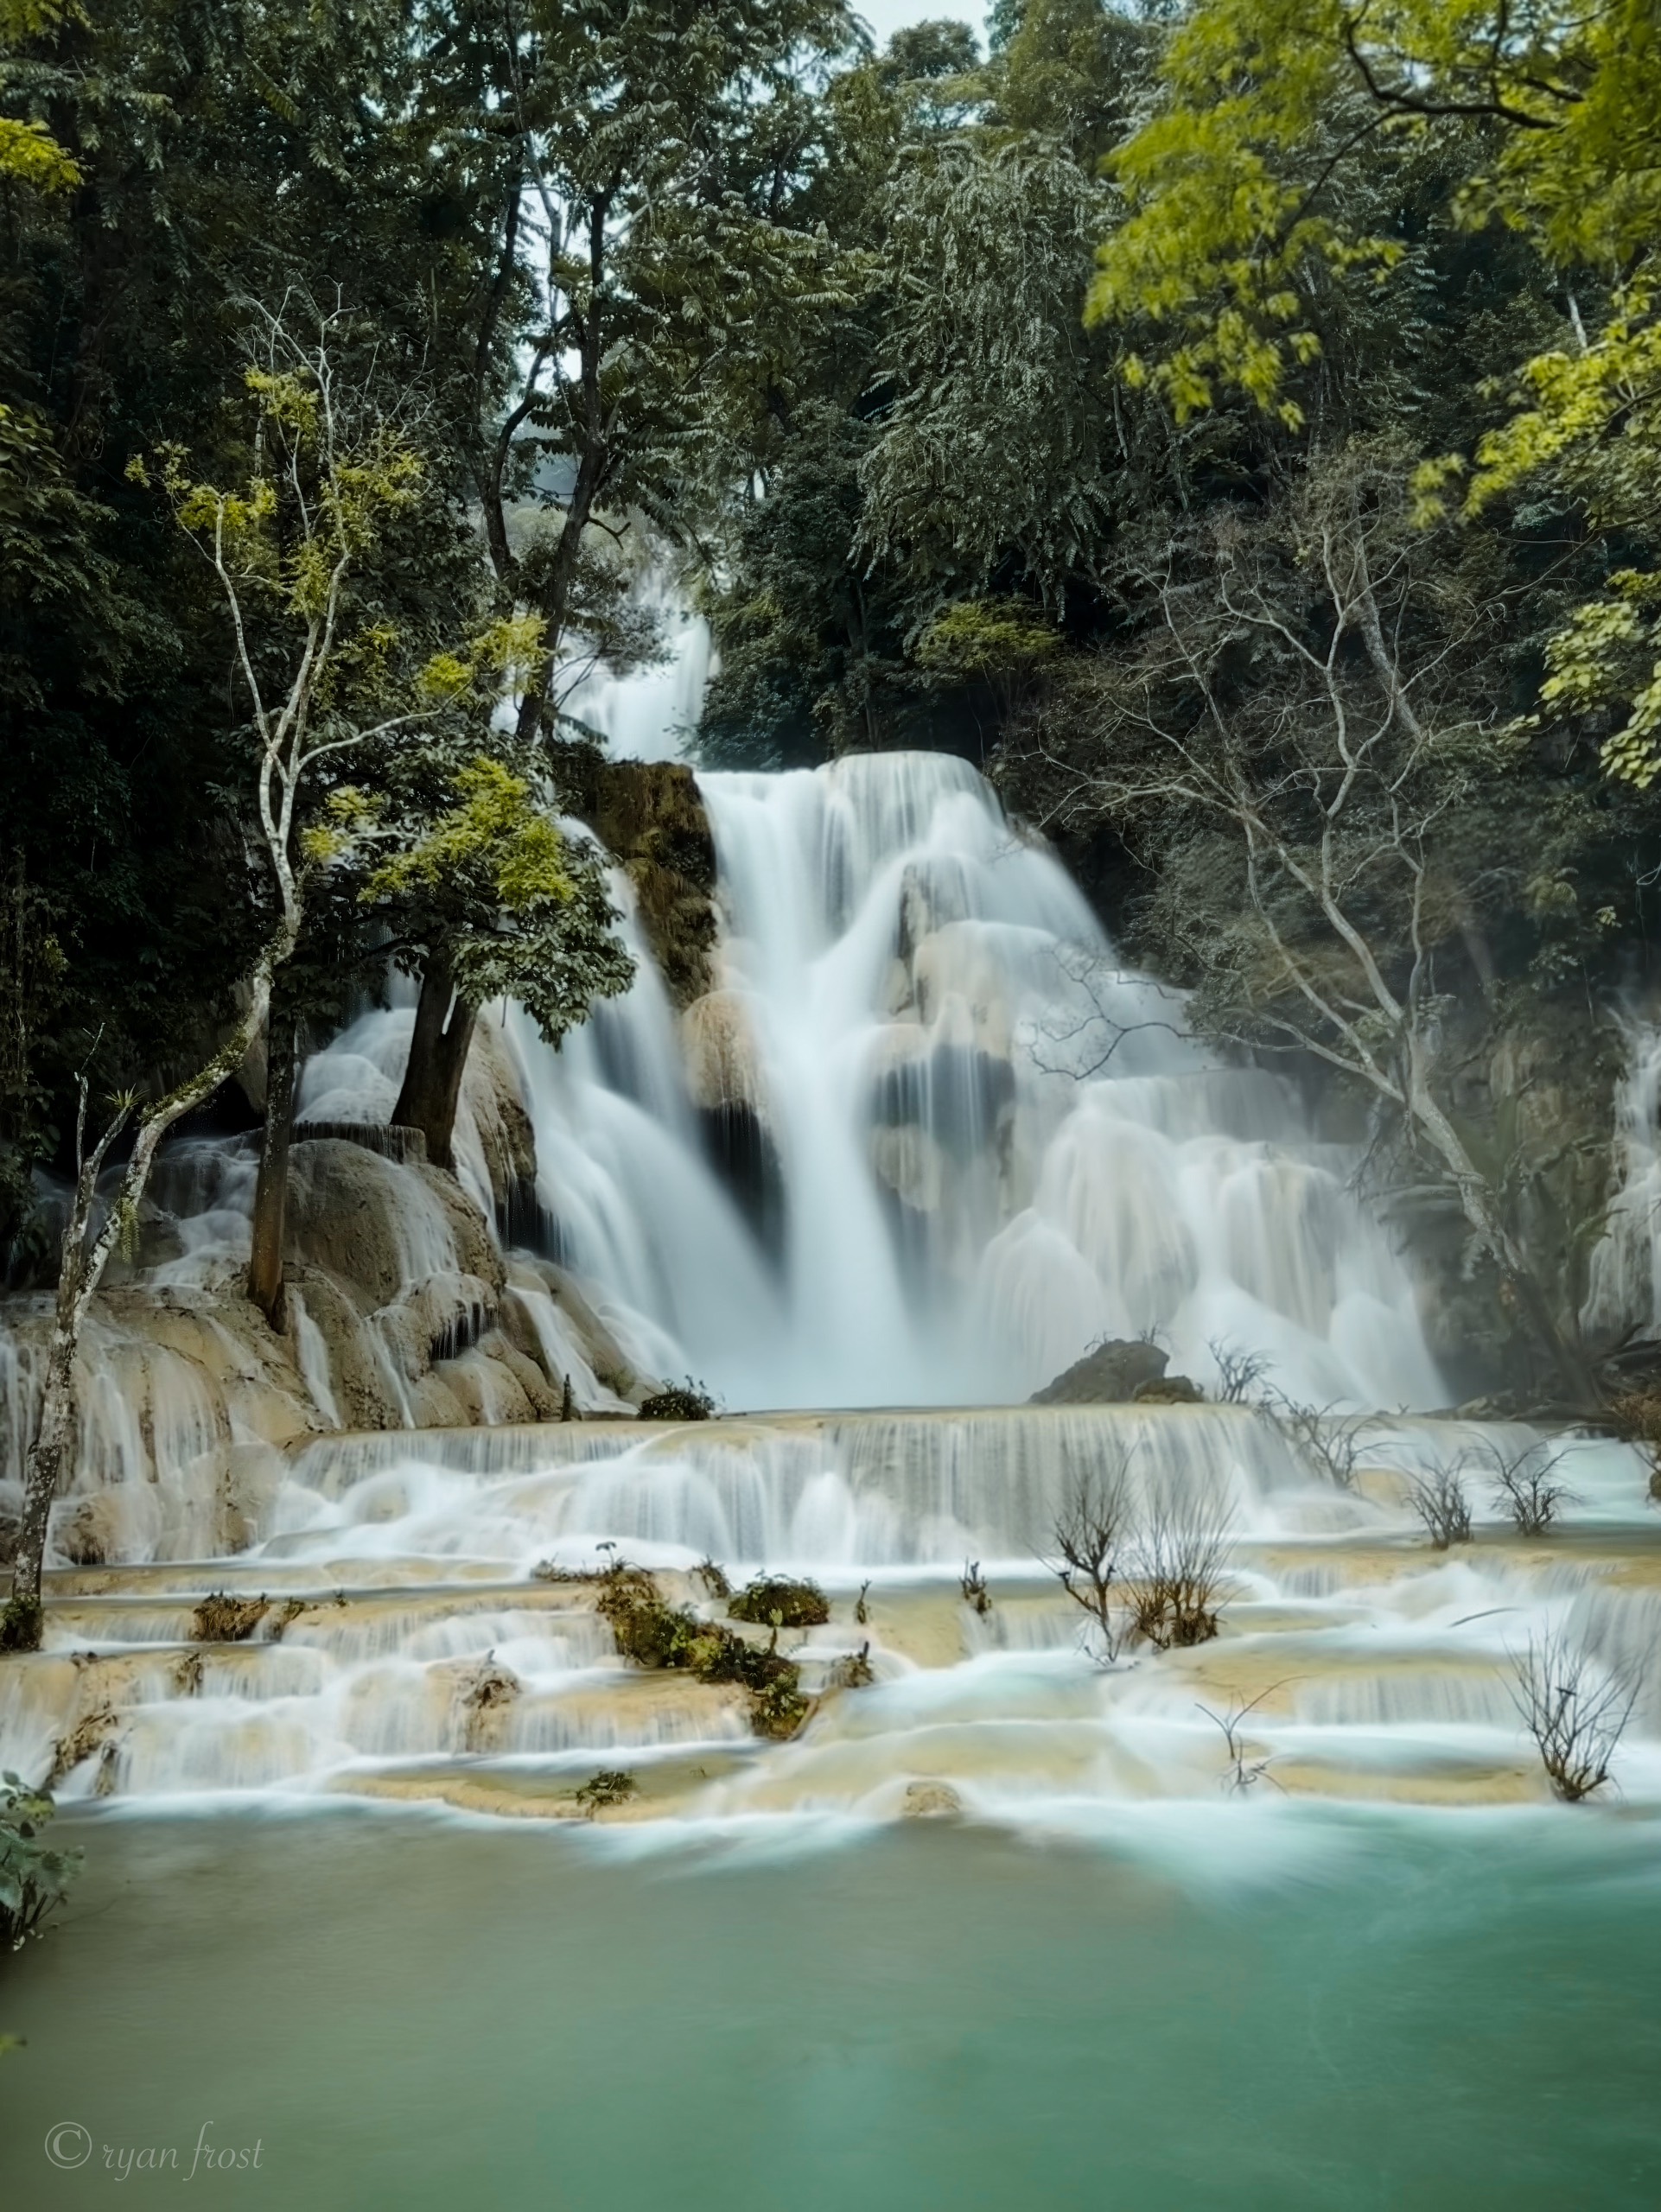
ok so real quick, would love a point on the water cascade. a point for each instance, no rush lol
(977, 1143)
(922, 1143)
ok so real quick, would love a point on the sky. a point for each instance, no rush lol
(886, 16)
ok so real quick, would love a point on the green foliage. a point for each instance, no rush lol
(610, 1786)
(775, 1601)
(34, 1878)
(689, 1402)
(655, 1634)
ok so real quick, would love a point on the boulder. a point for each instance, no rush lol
(1112, 1374)
(490, 1095)
(375, 1224)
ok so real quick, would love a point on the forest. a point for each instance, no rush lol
(1234, 428)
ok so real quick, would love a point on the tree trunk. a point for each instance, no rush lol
(438, 1059)
(272, 1190)
(44, 1474)
(85, 1256)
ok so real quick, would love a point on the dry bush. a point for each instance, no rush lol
(1244, 1774)
(1440, 1501)
(1238, 1373)
(1329, 1442)
(1181, 1560)
(1524, 1485)
(972, 1582)
(1089, 1533)
(1575, 1710)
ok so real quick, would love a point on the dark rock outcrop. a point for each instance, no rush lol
(649, 816)
(1109, 1374)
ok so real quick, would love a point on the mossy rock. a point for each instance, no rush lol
(772, 1601)
(662, 1636)
(677, 1405)
(649, 815)
(1169, 1390)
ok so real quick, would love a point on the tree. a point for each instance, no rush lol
(1233, 201)
(288, 553)
(650, 268)
(1296, 743)
(507, 905)
(222, 152)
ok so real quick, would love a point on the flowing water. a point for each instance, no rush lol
(924, 1143)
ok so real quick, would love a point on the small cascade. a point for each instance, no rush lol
(423, 1622)
(1624, 1282)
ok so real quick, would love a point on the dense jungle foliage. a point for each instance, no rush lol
(1233, 425)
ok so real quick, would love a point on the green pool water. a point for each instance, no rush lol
(1290, 2010)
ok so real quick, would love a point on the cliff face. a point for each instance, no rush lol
(649, 816)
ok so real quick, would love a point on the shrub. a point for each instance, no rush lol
(655, 1634)
(1181, 1559)
(21, 1624)
(682, 1402)
(1238, 1373)
(611, 1786)
(1575, 1712)
(1441, 1503)
(1524, 1485)
(34, 1878)
(772, 1601)
(972, 1582)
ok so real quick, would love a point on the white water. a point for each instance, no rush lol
(993, 1147)
(913, 1002)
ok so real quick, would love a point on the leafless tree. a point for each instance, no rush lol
(1238, 1373)
(1575, 1709)
(1526, 1483)
(1091, 1533)
(972, 1582)
(1331, 779)
(1179, 1566)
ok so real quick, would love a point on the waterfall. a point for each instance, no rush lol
(1624, 1281)
(922, 1141)
(991, 1144)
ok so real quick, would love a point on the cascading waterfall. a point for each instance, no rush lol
(991, 1145)
(919, 1145)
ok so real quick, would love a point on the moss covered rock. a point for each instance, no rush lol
(771, 1601)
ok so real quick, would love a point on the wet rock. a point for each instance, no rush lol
(649, 816)
(1168, 1391)
(490, 1094)
(375, 1224)
(1112, 1374)
(930, 1800)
